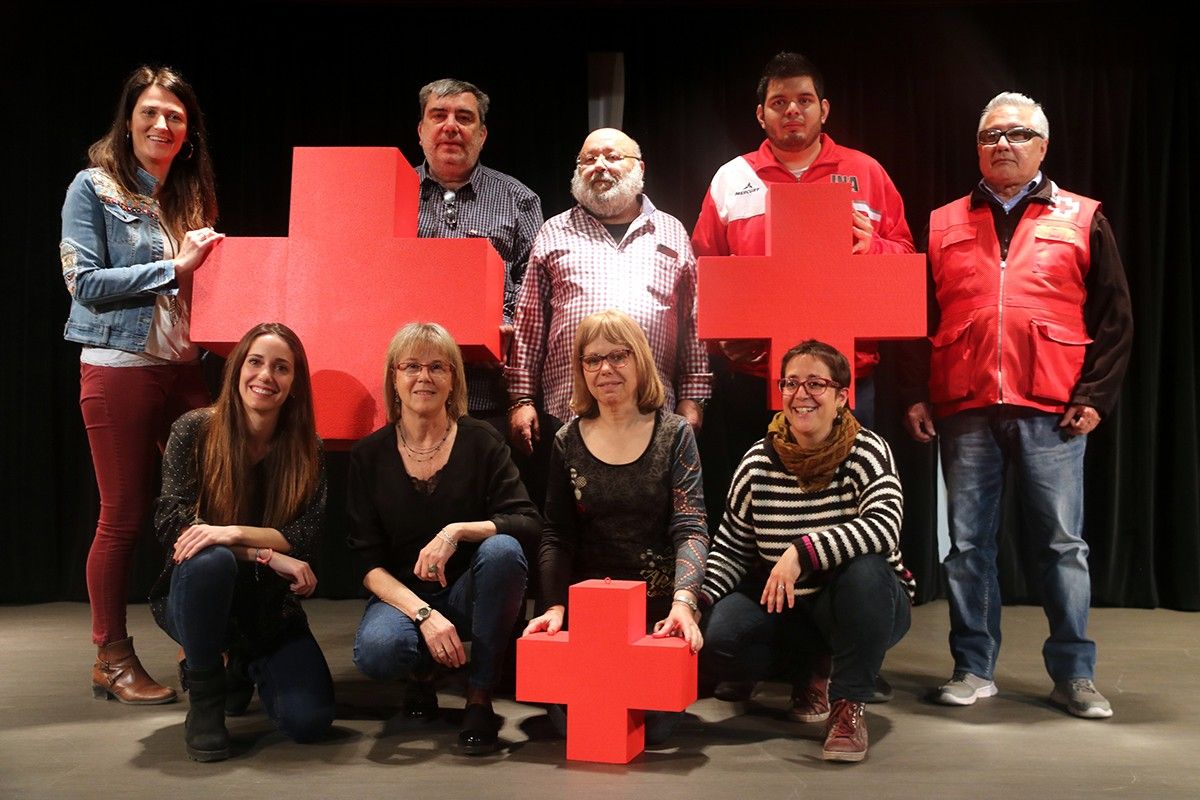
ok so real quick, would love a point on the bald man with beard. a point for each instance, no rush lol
(612, 250)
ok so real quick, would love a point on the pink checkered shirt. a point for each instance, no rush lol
(577, 269)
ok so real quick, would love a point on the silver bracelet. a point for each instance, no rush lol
(687, 601)
(447, 538)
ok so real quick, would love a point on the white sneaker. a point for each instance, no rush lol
(964, 689)
(1079, 697)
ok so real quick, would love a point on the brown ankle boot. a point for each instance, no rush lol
(846, 732)
(119, 674)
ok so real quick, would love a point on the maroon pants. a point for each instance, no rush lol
(128, 413)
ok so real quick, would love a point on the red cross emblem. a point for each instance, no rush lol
(808, 285)
(607, 670)
(350, 272)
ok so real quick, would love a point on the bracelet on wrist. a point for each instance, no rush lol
(520, 401)
(447, 538)
(687, 601)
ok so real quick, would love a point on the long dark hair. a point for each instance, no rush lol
(293, 463)
(188, 196)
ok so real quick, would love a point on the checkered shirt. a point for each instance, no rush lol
(576, 268)
(501, 208)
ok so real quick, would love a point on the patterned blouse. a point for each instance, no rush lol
(638, 521)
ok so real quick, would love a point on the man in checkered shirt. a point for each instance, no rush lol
(612, 250)
(461, 198)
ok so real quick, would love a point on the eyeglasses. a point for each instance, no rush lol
(1018, 135)
(450, 214)
(615, 358)
(815, 387)
(611, 157)
(437, 369)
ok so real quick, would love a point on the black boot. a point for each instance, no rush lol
(239, 689)
(204, 730)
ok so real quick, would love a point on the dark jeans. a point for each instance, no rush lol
(293, 679)
(857, 617)
(483, 605)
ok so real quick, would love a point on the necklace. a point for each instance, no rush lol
(417, 454)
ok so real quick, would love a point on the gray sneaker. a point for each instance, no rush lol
(1079, 697)
(964, 689)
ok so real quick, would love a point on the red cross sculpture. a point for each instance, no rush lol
(606, 670)
(350, 272)
(808, 285)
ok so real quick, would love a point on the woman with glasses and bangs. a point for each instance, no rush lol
(437, 519)
(805, 574)
(625, 497)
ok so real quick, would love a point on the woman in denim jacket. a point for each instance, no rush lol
(136, 224)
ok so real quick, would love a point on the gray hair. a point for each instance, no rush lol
(447, 87)
(1038, 121)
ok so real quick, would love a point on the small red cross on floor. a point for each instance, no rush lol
(606, 670)
(350, 272)
(808, 285)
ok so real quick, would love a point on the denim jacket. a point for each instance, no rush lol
(112, 260)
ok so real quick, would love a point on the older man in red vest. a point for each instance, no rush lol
(1033, 333)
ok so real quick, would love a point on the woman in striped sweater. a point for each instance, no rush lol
(806, 572)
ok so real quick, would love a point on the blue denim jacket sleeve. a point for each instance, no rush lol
(110, 253)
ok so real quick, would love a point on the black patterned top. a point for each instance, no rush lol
(638, 521)
(265, 612)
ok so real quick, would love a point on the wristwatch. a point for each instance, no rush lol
(422, 615)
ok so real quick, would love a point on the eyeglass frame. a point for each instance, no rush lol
(616, 158)
(623, 353)
(450, 209)
(404, 366)
(826, 384)
(1004, 133)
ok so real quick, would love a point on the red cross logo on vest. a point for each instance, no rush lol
(606, 670)
(350, 272)
(808, 285)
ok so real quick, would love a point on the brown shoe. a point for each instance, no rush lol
(810, 700)
(846, 732)
(119, 674)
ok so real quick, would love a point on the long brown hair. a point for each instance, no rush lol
(188, 196)
(293, 462)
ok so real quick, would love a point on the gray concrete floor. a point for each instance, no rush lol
(57, 742)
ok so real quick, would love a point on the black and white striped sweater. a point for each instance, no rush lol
(858, 513)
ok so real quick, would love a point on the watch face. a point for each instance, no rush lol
(423, 613)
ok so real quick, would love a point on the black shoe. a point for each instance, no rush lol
(479, 732)
(239, 689)
(204, 729)
(883, 691)
(734, 691)
(420, 700)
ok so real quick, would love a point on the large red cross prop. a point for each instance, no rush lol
(808, 285)
(350, 272)
(607, 670)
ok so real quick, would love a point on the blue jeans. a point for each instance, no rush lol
(482, 604)
(293, 679)
(977, 447)
(856, 618)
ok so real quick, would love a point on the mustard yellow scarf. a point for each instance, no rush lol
(814, 468)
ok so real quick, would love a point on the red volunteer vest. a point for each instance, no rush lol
(1012, 331)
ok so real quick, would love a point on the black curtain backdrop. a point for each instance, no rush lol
(905, 81)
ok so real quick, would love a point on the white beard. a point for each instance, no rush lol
(611, 202)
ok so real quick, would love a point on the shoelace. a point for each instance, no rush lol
(846, 723)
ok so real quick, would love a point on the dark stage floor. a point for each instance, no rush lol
(57, 742)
